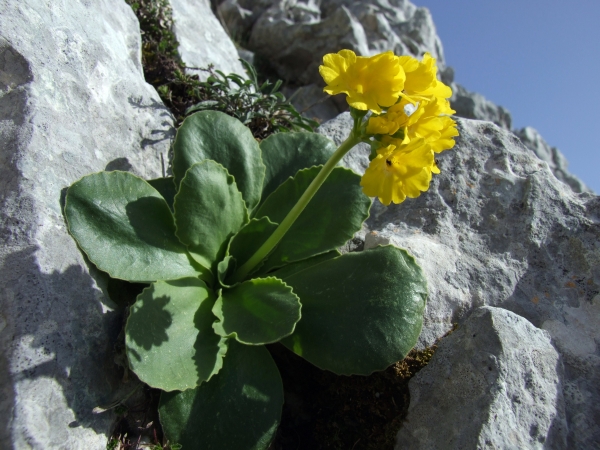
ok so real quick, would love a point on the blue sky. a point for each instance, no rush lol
(539, 59)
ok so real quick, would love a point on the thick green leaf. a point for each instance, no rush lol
(249, 239)
(334, 214)
(238, 409)
(361, 311)
(165, 187)
(209, 209)
(125, 227)
(225, 269)
(170, 341)
(299, 266)
(284, 154)
(259, 311)
(217, 136)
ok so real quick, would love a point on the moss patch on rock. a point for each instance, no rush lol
(257, 104)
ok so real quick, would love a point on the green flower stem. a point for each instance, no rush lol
(289, 220)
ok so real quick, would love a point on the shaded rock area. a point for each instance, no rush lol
(337, 130)
(497, 228)
(202, 39)
(73, 100)
(493, 383)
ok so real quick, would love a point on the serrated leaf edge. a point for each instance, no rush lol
(217, 312)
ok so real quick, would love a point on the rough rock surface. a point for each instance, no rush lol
(293, 36)
(311, 101)
(553, 156)
(472, 105)
(72, 101)
(493, 383)
(239, 16)
(498, 228)
(202, 39)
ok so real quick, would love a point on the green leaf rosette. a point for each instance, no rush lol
(198, 331)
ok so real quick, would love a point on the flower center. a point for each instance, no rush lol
(396, 166)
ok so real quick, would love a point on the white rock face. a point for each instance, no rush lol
(73, 100)
(498, 228)
(493, 383)
(202, 39)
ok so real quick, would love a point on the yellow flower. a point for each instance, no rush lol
(400, 171)
(386, 124)
(421, 79)
(447, 132)
(410, 122)
(431, 124)
(369, 82)
(426, 119)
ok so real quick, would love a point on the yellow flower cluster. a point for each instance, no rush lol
(410, 120)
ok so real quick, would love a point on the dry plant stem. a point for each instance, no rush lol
(289, 220)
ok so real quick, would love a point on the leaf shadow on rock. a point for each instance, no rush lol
(165, 134)
(122, 164)
(60, 329)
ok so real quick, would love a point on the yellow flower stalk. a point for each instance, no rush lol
(369, 82)
(410, 124)
(399, 172)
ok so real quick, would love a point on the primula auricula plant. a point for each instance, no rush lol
(239, 248)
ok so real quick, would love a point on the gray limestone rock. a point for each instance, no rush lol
(553, 156)
(73, 100)
(472, 105)
(312, 102)
(202, 39)
(239, 16)
(293, 39)
(293, 36)
(498, 228)
(396, 25)
(495, 382)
